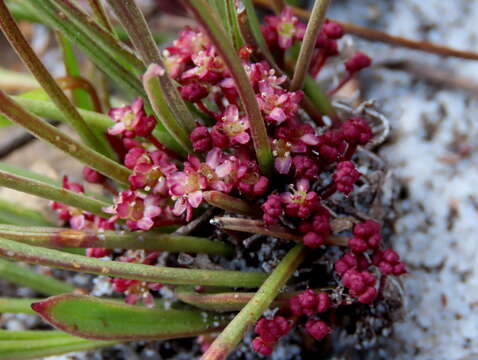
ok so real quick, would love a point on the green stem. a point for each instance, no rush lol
(212, 25)
(234, 332)
(230, 203)
(167, 275)
(305, 55)
(23, 276)
(59, 238)
(53, 193)
(52, 135)
(44, 78)
(135, 24)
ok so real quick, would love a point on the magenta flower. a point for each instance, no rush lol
(185, 187)
(139, 210)
(235, 126)
(286, 26)
(277, 104)
(208, 67)
(131, 120)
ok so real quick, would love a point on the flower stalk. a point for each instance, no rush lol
(230, 203)
(316, 20)
(234, 332)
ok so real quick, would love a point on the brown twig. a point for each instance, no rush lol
(434, 75)
(380, 36)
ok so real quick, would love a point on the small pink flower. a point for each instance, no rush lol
(285, 29)
(139, 210)
(235, 126)
(277, 104)
(131, 120)
(208, 67)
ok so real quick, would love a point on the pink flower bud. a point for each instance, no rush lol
(262, 347)
(93, 176)
(194, 92)
(201, 139)
(357, 62)
(318, 329)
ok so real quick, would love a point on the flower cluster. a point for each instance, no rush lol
(304, 308)
(311, 164)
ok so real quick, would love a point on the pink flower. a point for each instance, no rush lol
(277, 104)
(235, 126)
(131, 120)
(284, 29)
(186, 188)
(272, 209)
(208, 67)
(139, 210)
(281, 150)
(150, 170)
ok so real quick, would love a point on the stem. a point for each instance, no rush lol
(234, 332)
(305, 55)
(14, 335)
(55, 137)
(380, 36)
(24, 276)
(44, 78)
(135, 24)
(59, 238)
(258, 227)
(209, 20)
(167, 275)
(53, 193)
(230, 203)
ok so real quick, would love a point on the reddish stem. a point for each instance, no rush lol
(344, 81)
(204, 109)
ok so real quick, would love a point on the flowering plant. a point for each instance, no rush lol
(226, 136)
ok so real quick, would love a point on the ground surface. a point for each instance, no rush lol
(434, 152)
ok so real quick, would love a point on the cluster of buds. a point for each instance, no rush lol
(304, 308)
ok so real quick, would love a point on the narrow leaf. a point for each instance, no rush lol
(53, 193)
(167, 275)
(52, 135)
(236, 329)
(55, 345)
(29, 58)
(209, 20)
(24, 276)
(30, 334)
(80, 96)
(111, 320)
(101, 15)
(230, 203)
(59, 238)
(305, 55)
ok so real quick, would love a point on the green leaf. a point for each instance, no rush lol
(80, 96)
(111, 320)
(59, 238)
(25, 276)
(17, 306)
(167, 275)
(208, 18)
(54, 345)
(53, 193)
